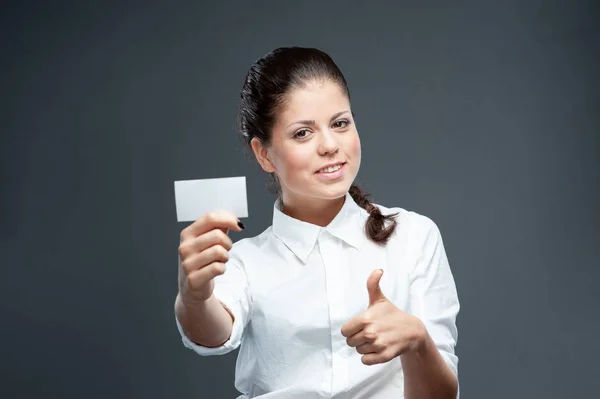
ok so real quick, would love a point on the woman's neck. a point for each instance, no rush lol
(312, 210)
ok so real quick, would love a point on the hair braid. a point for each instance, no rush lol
(375, 227)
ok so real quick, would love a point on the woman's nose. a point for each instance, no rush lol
(329, 143)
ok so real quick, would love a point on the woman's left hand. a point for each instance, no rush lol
(383, 331)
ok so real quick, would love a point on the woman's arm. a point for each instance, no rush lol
(426, 374)
(430, 370)
(206, 323)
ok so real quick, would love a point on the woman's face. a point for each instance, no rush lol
(314, 129)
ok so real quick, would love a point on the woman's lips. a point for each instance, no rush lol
(333, 175)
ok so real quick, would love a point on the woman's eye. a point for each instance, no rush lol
(300, 134)
(341, 123)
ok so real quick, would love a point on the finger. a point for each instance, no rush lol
(353, 326)
(204, 241)
(366, 348)
(357, 339)
(370, 359)
(199, 277)
(375, 294)
(221, 219)
(197, 261)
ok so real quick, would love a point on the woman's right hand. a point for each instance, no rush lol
(203, 251)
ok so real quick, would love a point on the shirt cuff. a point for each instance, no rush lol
(236, 333)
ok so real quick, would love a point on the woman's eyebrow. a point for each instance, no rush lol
(311, 122)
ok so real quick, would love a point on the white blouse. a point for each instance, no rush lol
(292, 287)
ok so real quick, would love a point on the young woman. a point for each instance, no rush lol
(339, 298)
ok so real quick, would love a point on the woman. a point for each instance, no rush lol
(339, 297)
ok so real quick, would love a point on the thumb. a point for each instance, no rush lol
(375, 294)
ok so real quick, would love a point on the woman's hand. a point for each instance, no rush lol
(383, 331)
(203, 252)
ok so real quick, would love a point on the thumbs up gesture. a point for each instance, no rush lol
(383, 331)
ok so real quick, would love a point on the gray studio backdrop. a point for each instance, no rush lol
(483, 116)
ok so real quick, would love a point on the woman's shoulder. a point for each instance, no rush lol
(409, 219)
(253, 245)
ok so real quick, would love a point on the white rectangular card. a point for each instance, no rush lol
(194, 198)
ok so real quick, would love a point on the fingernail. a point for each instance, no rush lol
(241, 225)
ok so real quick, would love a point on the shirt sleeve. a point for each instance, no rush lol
(232, 290)
(433, 296)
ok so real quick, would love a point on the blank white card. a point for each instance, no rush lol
(194, 198)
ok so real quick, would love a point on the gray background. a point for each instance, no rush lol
(482, 116)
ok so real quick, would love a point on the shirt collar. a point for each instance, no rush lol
(300, 237)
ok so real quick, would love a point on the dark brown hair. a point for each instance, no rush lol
(263, 95)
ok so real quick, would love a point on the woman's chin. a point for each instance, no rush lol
(333, 192)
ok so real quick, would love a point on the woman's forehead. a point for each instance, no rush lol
(313, 99)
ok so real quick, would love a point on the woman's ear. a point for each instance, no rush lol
(262, 156)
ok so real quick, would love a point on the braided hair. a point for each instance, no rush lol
(375, 227)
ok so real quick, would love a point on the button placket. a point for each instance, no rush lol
(332, 255)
